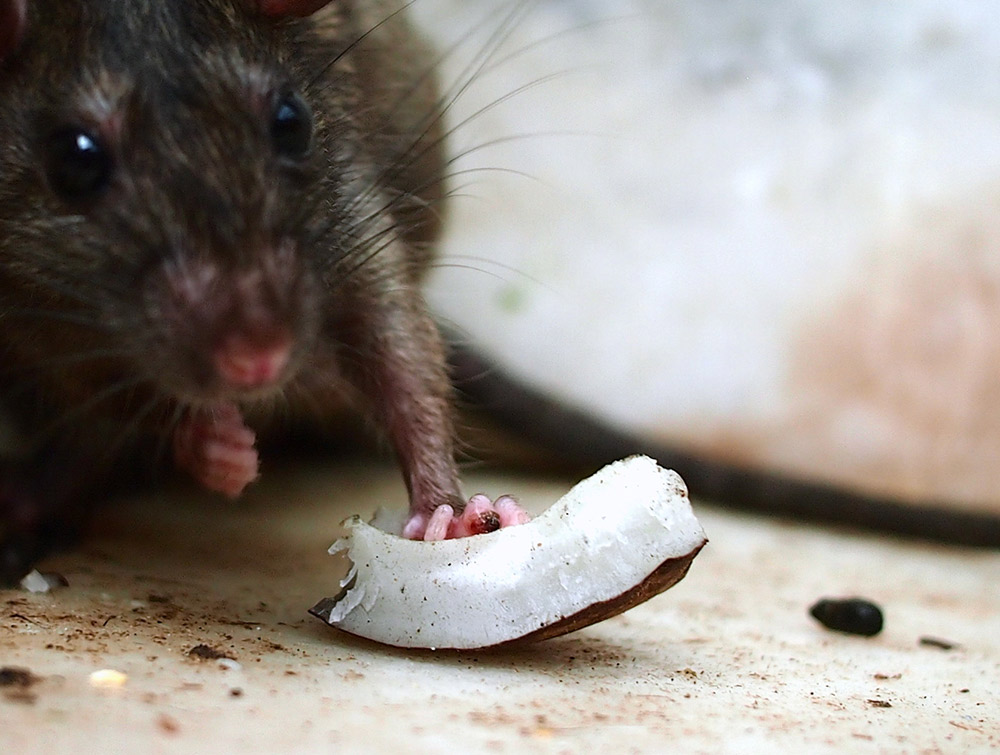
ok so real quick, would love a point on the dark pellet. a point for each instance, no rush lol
(850, 615)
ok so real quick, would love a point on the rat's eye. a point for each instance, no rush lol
(292, 127)
(78, 164)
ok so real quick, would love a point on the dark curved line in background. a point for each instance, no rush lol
(581, 440)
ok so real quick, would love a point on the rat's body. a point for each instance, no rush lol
(219, 212)
(213, 209)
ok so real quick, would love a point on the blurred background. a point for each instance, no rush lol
(762, 232)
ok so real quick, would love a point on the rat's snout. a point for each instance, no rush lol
(248, 362)
(231, 331)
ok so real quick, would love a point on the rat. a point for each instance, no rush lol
(214, 212)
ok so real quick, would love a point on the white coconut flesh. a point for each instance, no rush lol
(615, 540)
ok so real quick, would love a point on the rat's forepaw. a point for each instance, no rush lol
(481, 515)
(217, 449)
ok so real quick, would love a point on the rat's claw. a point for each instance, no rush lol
(217, 449)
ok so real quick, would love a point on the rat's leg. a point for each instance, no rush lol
(402, 371)
(45, 501)
(21, 541)
(217, 449)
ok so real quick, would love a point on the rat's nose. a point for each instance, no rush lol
(242, 363)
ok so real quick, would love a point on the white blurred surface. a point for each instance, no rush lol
(762, 230)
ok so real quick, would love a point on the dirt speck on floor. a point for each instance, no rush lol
(167, 724)
(208, 653)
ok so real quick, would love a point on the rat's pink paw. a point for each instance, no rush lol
(481, 515)
(217, 449)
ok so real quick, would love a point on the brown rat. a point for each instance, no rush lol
(213, 209)
(218, 211)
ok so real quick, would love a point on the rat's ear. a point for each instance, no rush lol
(281, 8)
(13, 20)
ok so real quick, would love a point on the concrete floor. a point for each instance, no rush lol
(727, 661)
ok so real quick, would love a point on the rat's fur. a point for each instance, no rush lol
(111, 310)
(114, 306)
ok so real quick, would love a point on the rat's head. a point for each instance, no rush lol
(162, 170)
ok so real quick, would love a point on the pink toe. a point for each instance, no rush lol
(415, 527)
(511, 513)
(479, 502)
(478, 518)
(440, 522)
